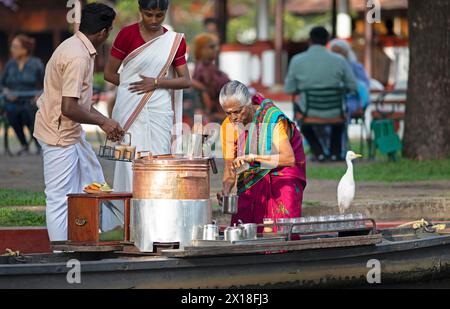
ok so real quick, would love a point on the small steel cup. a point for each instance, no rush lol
(331, 225)
(295, 229)
(230, 204)
(350, 225)
(283, 229)
(322, 226)
(360, 224)
(313, 227)
(233, 233)
(249, 231)
(340, 225)
(197, 232)
(210, 232)
(302, 228)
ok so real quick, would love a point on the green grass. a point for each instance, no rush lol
(12, 217)
(21, 198)
(403, 170)
(310, 203)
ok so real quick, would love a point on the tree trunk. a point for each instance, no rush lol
(427, 120)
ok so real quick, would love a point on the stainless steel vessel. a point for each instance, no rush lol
(230, 204)
(233, 233)
(171, 198)
(211, 231)
(249, 230)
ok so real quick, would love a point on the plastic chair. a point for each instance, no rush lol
(386, 139)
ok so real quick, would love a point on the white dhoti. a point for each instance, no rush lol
(66, 170)
(153, 114)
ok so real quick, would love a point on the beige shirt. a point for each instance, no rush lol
(69, 73)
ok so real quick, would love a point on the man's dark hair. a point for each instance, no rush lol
(163, 5)
(209, 20)
(95, 17)
(319, 35)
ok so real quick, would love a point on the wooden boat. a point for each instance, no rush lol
(349, 259)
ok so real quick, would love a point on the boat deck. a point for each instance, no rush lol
(405, 255)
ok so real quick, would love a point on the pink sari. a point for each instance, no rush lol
(278, 194)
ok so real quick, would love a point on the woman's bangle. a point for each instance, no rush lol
(156, 83)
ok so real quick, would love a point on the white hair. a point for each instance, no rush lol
(351, 56)
(235, 91)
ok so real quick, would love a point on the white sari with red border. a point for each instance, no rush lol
(151, 117)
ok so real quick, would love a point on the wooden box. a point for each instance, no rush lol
(102, 218)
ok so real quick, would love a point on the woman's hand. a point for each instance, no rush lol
(147, 84)
(11, 98)
(8, 95)
(227, 187)
(240, 161)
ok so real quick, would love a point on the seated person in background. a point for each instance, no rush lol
(211, 26)
(359, 99)
(355, 101)
(207, 78)
(320, 68)
(24, 78)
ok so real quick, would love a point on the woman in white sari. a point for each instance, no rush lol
(148, 65)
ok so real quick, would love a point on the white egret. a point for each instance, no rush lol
(346, 187)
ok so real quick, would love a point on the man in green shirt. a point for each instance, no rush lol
(320, 68)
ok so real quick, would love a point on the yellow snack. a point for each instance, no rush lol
(106, 188)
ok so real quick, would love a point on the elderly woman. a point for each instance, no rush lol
(257, 135)
(354, 102)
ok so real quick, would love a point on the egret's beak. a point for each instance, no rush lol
(358, 156)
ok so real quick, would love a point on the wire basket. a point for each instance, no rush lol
(122, 152)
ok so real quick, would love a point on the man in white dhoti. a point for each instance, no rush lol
(148, 64)
(69, 160)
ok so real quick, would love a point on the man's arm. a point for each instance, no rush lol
(76, 71)
(72, 110)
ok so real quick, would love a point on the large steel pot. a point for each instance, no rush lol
(171, 197)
